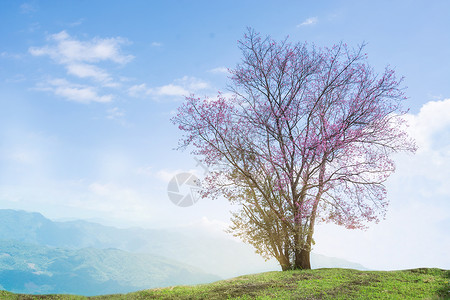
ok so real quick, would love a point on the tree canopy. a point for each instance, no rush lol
(305, 138)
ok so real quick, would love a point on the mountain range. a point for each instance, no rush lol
(38, 255)
(35, 269)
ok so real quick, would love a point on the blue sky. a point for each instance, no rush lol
(87, 89)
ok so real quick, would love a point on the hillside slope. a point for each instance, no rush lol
(28, 268)
(214, 253)
(310, 284)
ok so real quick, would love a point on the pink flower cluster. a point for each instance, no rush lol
(308, 133)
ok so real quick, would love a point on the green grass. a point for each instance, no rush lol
(307, 284)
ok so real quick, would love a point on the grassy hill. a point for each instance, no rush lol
(420, 283)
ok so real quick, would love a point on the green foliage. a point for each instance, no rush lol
(305, 284)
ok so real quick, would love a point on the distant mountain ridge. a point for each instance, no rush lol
(215, 255)
(35, 269)
(188, 249)
(204, 250)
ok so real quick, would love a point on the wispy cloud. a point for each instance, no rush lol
(167, 175)
(27, 8)
(26, 151)
(73, 92)
(192, 83)
(308, 22)
(88, 71)
(138, 90)
(178, 88)
(115, 113)
(33, 27)
(80, 57)
(5, 54)
(219, 70)
(24, 156)
(76, 23)
(169, 90)
(142, 90)
(156, 44)
(67, 50)
(121, 202)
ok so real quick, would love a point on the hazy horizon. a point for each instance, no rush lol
(87, 90)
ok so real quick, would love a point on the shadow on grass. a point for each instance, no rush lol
(444, 292)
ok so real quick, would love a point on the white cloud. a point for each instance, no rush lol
(114, 203)
(24, 156)
(5, 54)
(414, 233)
(433, 118)
(429, 169)
(113, 191)
(147, 171)
(138, 90)
(192, 83)
(180, 87)
(169, 90)
(211, 226)
(33, 27)
(156, 44)
(167, 175)
(309, 21)
(219, 70)
(76, 23)
(86, 71)
(74, 92)
(80, 57)
(27, 8)
(115, 113)
(228, 95)
(120, 202)
(67, 50)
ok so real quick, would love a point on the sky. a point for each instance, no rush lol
(87, 90)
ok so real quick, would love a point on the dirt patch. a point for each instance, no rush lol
(351, 287)
(250, 289)
(34, 297)
(291, 283)
(305, 276)
(364, 280)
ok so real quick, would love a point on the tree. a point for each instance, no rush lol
(305, 138)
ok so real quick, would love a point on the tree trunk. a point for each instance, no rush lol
(302, 260)
(284, 263)
(302, 257)
(285, 267)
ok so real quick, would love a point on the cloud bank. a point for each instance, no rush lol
(308, 22)
(81, 60)
(415, 232)
(178, 88)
